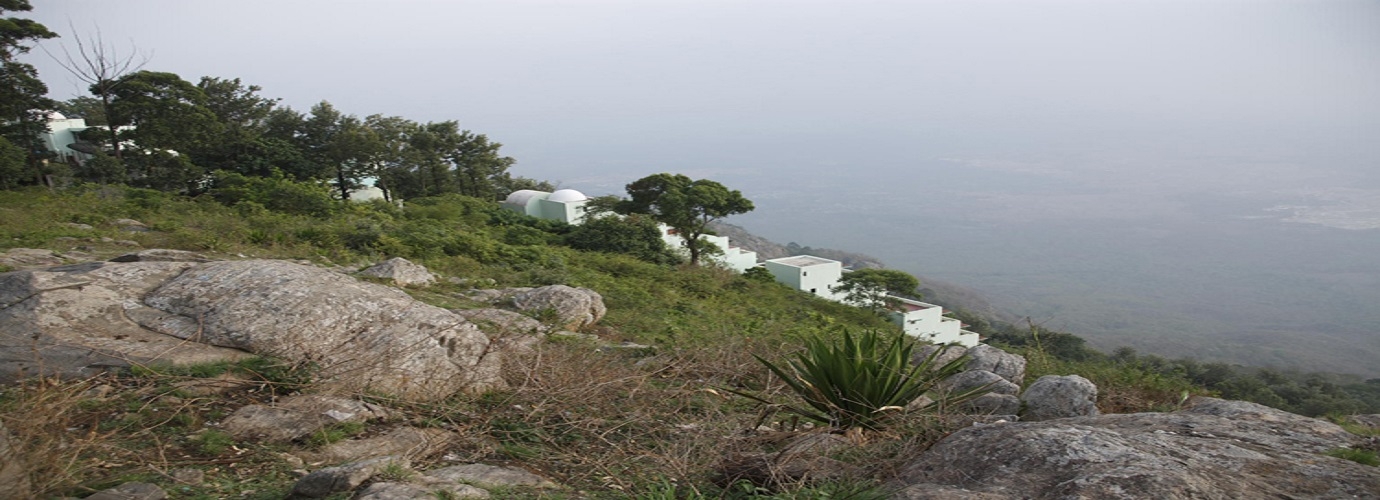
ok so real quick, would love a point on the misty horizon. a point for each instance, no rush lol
(1205, 168)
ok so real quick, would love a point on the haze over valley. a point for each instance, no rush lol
(1185, 178)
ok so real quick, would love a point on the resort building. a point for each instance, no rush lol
(927, 322)
(565, 205)
(808, 273)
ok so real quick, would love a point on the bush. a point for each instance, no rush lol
(861, 381)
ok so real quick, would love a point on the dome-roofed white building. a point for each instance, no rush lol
(565, 205)
(565, 196)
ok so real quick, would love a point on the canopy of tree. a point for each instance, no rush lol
(688, 206)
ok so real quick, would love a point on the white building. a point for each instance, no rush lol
(735, 258)
(63, 133)
(927, 322)
(808, 273)
(565, 205)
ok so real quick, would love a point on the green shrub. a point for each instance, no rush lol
(860, 381)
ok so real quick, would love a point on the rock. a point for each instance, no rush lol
(14, 471)
(296, 417)
(510, 330)
(975, 379)
(573, 308)
(410, 442)
(403, 491)
(131, 491)
(126, 243)
(985, 357)
(994, 404)
(402, 271)
(76, 321)
(1214, 449)
(488, 476)
(188, 475)
(131, 225)
(1055, 396)
(951, 352)
(360, 336)
(78, 226)
(1371, 421)
(25, 258)
(345, 477)
(775, 470)
(161, 255)
(819, 443)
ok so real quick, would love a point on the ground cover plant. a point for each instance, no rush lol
(646, 421)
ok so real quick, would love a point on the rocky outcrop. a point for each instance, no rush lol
(1000, 371)
(161, 255)
(1055, 396)
(25, 258)
(570, 308)
(1214, 449)
(295, 417)
(361, 336)
(401, 271)
(81, 319)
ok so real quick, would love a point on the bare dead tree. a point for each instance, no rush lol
(103, 68)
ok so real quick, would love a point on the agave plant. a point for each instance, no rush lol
(862, 380)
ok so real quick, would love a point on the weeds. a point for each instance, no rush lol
(1363, 457)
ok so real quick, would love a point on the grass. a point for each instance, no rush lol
(1363, 457)
(605, 423)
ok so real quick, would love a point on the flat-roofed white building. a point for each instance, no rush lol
(808, 273)
(927, 322)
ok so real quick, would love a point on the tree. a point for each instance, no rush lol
(163, 112)
(635, 235)
(873, 288)
(105, 70)
(243, 118)
(686, 206)
(23, 100)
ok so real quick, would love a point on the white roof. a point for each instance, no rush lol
(567, 195)
(522, 196)
(804, 261)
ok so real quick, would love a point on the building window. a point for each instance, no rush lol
(804, 273)
(813, 290)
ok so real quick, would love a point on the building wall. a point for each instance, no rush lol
(926, 322)
(569, 212)
(818, 276)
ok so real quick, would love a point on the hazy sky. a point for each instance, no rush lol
(1137, 171)
(579, 89)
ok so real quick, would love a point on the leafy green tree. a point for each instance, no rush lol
(242, 115)
(873, 287)
(85, 107)
(12, 164)
(23, 98)
(686, 206)
(635, 235)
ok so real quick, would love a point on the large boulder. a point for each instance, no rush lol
(402, 271)
(24, 258)
(987, 358)
(361, 336)
(568, 308)
(79, 320)
(295, 417)
(1059, 396)
(1214, 449)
